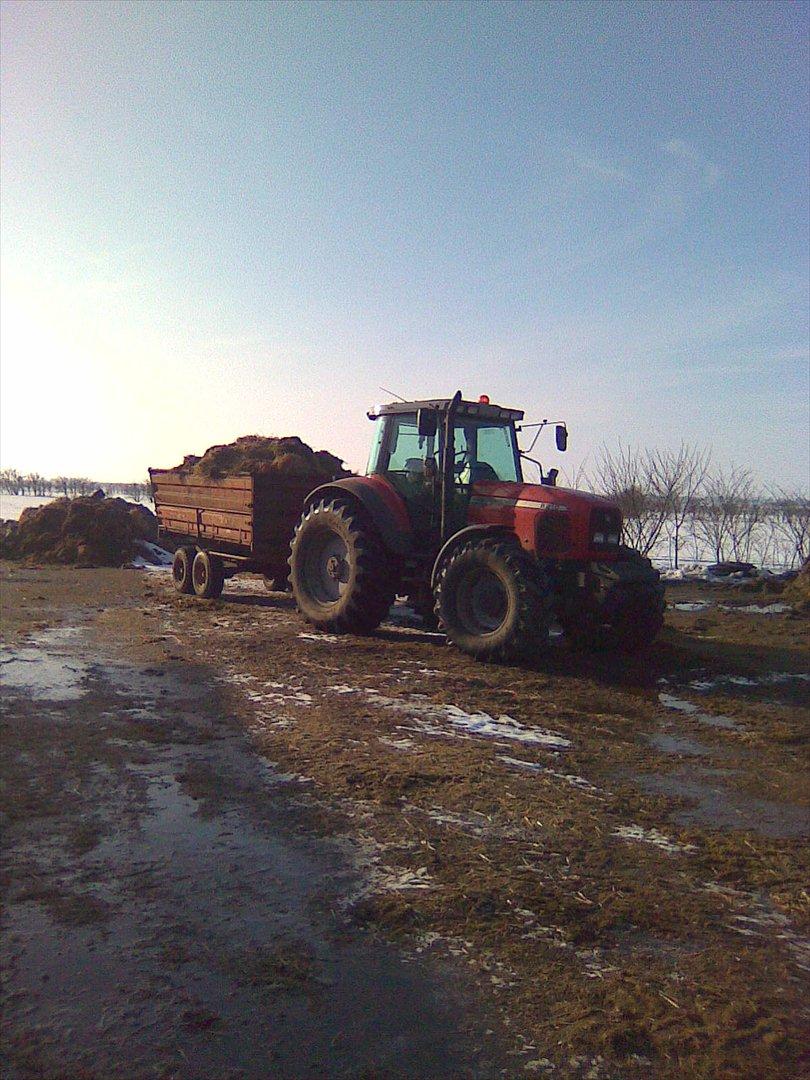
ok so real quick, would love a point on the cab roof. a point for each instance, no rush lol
(441, 405)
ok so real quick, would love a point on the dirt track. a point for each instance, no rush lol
(606, 860)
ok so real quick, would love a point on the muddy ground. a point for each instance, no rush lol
(235, 847)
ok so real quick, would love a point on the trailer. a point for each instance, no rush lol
(221, 527)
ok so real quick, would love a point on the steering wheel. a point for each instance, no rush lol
(460, 461)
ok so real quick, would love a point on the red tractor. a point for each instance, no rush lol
(444, 516)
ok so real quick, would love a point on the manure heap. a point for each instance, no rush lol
(87, 531)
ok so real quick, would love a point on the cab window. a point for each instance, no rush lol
(485, 452)
(398, 446)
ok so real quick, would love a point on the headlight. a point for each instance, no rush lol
(605, 528)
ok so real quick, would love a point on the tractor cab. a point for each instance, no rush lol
(433, 452)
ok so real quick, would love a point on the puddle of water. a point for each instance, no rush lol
(678, 744)
(720, 807)
(38, 671)
(216, 918)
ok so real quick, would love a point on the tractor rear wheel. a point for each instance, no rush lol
(626, 617)
(207, 575)
(340, 574)
(493, 601)
(181, 569)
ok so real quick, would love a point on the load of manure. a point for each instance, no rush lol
(86, 531)
(258, 455)
(797, 591)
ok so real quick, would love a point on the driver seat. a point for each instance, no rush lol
(482, 471)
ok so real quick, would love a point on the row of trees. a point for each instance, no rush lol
(13, 482)
(677, 504)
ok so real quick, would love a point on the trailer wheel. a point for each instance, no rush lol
(493, 601)
(207, 575)
(340, 574)
(181, 569)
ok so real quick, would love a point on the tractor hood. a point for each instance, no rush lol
(550, 521)
(541, 495)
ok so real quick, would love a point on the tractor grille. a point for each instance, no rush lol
(552, 532)
(605, 529)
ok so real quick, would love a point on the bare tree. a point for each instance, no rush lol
(728, 513)
(791, 520)
(677, 477)
(630, 478)
(11, 482)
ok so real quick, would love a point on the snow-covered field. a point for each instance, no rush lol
(11, 506)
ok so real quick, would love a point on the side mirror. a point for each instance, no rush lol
(561, 437)
(427, 423)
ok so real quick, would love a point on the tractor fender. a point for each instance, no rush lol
(461, 537)
(381, 503)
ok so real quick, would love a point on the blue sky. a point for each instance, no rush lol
(220, 219)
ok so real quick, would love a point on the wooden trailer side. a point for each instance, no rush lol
(212, 512)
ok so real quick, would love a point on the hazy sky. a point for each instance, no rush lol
(221, 219)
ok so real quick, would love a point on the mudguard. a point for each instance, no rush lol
(633, 567)
(382, 504)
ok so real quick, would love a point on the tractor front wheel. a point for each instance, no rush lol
(493, 601)
(624, 617)
(340, 574)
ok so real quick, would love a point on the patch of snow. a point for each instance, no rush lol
(671, 702)
(690, 605)
(690, 709)
(505, 727)
(403, 743)
(343, 688)
(11, 506)
(242, 583)
(150, 556)
(326, 639)
(771, 679)
(756, 609)
(568, 778)
(759, 918)
(652, 836)
(433, 719)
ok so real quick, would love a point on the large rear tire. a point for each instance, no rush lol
(494, 601)
(207, 575)
(625, 617)
(340, 573)
(181, 570)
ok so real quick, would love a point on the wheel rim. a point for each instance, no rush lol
(325, 567)
(481, 601)
(199, 573)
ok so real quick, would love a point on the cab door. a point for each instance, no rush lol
(409, 461)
